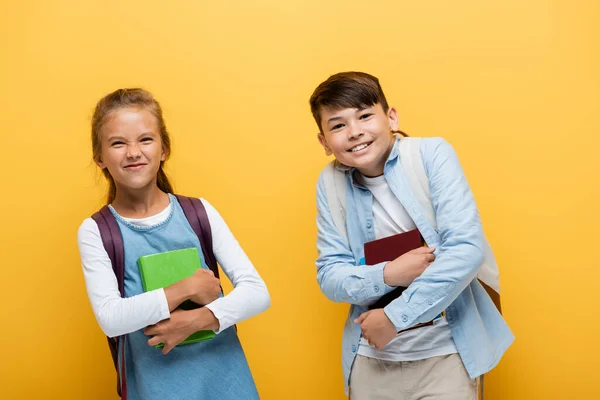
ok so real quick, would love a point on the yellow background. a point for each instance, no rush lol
(513, 85)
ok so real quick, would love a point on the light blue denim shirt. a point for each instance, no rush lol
(480, 333)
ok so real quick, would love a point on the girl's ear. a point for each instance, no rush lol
(99, 163)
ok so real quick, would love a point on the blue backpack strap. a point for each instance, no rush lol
(195, 212)
(113, 244)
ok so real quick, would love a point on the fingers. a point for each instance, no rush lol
(423, 250)
(154, 341)
(150, 330)
(362, 317)
(204, 271)
(167, 348)
(373, 343)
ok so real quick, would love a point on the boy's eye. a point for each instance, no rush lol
(365, 116)
(338, 126)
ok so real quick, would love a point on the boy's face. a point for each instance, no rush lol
(359, 138)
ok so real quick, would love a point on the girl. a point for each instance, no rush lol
(130, 144)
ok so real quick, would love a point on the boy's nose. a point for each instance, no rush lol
(355, 131)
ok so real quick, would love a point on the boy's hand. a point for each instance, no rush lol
(203, 287)
(179, 326)
(408, 267)
(376, 327)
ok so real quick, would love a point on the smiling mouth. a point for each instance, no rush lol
(359, 147)
(134, 166)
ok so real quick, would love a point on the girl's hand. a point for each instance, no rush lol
(203, 287)
(179, 326)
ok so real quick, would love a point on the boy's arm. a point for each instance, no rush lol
(460, 251)
(338, 276)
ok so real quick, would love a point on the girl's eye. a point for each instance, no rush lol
(147, 139)
(116, 144)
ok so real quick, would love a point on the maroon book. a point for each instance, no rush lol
(388, 249)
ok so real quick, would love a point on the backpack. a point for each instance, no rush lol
(412, 165)
(112, 240)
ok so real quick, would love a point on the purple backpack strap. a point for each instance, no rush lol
(113, 244)
(195, 212)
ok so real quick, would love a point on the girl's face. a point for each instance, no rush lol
(131, 148)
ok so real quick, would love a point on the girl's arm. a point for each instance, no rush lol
(249, 295)
(116, 315)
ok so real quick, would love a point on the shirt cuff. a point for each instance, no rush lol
(219, 315)
(161, 297)
(374, 277)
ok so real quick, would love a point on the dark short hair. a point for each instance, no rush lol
(347, 90)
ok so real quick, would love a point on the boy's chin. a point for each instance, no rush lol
(362, 163)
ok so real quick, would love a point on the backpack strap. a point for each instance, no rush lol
(195, 212)
(409, 150)
(113, 244)
(335, 190)
(412, 165)
(112, 240)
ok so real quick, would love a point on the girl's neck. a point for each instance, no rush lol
(140, 203)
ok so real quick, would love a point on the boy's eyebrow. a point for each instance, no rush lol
(359, 109)
(333, 119)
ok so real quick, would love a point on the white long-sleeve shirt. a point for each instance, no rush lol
(118, 316)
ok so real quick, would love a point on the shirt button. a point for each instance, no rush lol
(376, 288)
(367, 193)
(369, 225)
(404, 318)
(354, 348)
(430, 302)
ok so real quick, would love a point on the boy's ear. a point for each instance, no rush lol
(393, 118)
(323, 142)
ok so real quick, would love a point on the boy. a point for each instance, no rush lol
(443, 331)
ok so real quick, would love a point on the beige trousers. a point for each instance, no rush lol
(436, 378)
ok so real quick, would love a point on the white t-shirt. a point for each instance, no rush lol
(391, 218)
(118, 316)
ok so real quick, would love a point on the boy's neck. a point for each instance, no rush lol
(140, 203)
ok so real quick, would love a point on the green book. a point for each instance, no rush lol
(163, 269)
